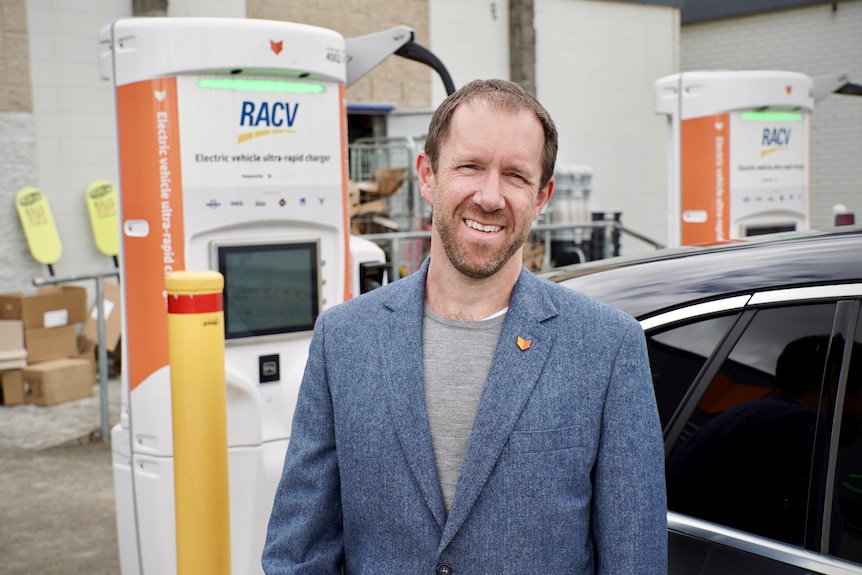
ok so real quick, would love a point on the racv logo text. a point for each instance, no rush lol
(266, 118)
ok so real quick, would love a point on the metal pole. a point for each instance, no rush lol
(546, 241)
(102, 355)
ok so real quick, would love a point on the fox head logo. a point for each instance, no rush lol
(160, 95)
(788, 88)
(276, 46)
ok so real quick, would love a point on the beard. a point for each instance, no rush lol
(477, 260)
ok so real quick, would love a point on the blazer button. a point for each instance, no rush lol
(443, 569)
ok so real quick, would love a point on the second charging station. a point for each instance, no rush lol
(739, 147)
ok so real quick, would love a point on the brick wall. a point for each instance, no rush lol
(18, 144)
(15, 93)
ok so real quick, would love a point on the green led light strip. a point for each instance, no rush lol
(253, 85)
(773, 116)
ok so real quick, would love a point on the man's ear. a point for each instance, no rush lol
(544, 197)
(425, 177)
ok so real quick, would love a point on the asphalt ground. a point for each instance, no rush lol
(57, 490)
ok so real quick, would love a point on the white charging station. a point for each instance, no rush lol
(232, 150)
(738, 153)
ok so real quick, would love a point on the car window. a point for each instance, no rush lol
(677, 355)
(847, 520)
(754, 450)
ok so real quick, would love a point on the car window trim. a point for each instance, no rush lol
(836, 291)
(758, 298)
(696, 310)
(760, 546)
(846, 319)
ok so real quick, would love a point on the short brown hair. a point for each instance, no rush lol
(504, 95)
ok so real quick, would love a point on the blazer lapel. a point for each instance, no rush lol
(518, 361)
(400, 338)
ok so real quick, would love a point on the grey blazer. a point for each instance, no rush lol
(564, 471)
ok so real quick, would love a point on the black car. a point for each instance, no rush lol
(755, 348)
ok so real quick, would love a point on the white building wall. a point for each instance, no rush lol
(471, 39)
(596, 64)
(213, 8)
(73, 117)
(814, 40)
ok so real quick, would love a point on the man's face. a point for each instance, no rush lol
(485, 193)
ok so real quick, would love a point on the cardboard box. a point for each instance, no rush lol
(58, 380)
(45, 343)
(48, 307)
(13, 354)
(387, 182)
(113, 319)
(87, 351)
(12, 387)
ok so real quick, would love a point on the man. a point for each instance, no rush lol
(471, 418)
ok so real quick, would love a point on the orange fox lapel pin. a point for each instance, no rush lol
(524, 344)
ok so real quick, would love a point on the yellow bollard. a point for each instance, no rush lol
(199, 403)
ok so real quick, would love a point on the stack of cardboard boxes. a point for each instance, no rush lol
(49, 356)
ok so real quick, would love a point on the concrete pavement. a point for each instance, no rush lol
(56, 489)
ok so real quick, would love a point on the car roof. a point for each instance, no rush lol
(671, 277)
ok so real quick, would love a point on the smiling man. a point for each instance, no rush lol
(472, 418)
(486, 187)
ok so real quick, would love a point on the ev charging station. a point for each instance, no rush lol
(738, 153)
(232, 146)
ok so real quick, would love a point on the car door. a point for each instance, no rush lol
(750, 392)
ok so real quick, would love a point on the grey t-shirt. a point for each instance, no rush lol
(456, 358)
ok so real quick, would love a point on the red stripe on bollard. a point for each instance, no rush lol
(202, 303)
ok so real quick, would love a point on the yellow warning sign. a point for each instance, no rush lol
(38, 223)
(102, 206)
